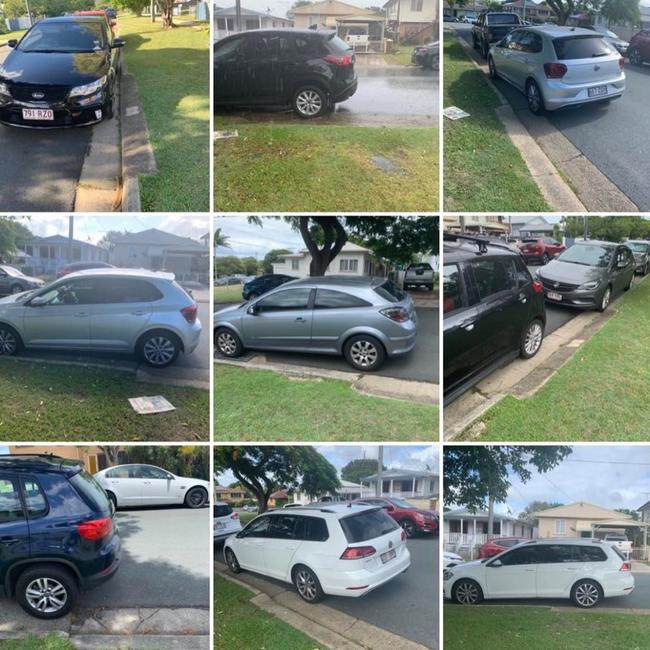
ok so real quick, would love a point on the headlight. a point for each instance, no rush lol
(588, 286)
(447, 575)
(4, 90)
(88, 89)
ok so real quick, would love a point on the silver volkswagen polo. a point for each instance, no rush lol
(118, 310)
(558, 66)
(365, 319)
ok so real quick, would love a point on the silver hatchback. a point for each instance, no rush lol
(365, 319)
(558, 66)
(115, 310)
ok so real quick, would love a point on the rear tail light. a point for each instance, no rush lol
(342, 60)
(403, 535)
(357, 552)
(621, 63)
(537, 286)
(626, 566)
(555, 70)
(95, 529)
(234, 515)
(190, 313)
(398, 314)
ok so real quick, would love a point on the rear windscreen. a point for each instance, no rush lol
(581, 47)
(502, 19)
(367, 525)
(91, 491)
(390, 291)
(222, 511)
(338, 45)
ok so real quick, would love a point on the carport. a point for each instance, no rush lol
(619, 526)
(373, 39)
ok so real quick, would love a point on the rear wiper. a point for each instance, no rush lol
(594, 56)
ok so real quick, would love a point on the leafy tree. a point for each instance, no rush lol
(14, 8)
(265, 469)
(562, 9)
(477, 477)
(134, 6)
(229, 265)
(632, 513)
(167, 13)
(193, 461)
(360, 468)
(536, 506)
(13, 236)
(108, 240)
(614, 229)
(250, 265)
(300, 3)
(621, 12)
(220, 239)
(271, 257)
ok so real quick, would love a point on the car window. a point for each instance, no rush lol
(390, 291)
(35, 500)
(638, 247)
(367, 525)
(502, 19)
(524, 278)
(494, 275)
(125, 290)
(263, 46)
(452, 289)
(283, 527)
(337, 45)
(623, 255)
(73, 292)
(124, 471)
(72, 36)
(222, 510)
(585, 553)
(328, 299)
(530, 42)
(285, 300)
(420, 267)
(581, 47)
(148, 471)
(259, 527)
(91, 491)
(309, 46)
(311, 529)
(519, 556)
(507, 543)
(10, 507)
(556, 553)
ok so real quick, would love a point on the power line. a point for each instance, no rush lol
(559, 489)
(606, 462)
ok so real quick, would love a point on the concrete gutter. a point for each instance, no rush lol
(326, 625)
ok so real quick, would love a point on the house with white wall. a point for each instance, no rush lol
(225, 21)
(413, 20)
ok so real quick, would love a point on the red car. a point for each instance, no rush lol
(81, 266)
(498, 545)
(541, 250)
(412, 520)
(639, 49)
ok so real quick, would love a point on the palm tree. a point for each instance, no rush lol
(220, 239)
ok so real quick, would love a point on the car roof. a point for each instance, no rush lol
(123, 273)
(469, 249)
(73, 19)
(340, 280)
(220, 503)
(559, 31)
(596, 242)
(563, 540)
(40, 463)
(280, 30)
(337, 510)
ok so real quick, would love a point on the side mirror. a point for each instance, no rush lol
(38, 301)
(171, 477)
(253, 310)
(118, 42)
(12, 42)
(496, 564)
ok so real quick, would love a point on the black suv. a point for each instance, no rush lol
(304, 69)
(491, 27)
(493, 311)
(255, 288)
(57, 534)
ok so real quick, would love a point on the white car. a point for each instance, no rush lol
(147, 485)
(326, 549)
(226, 522)
(558, 66)
(451, 559)
(584, 570)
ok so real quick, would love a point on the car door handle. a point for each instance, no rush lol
(9, 540)
(300, 319)
(523, 298)
(81, 314)
(468, 327)
(137, 313)
(529, 570)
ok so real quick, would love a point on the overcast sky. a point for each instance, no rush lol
(395, 456)
(249, 240)
(280, 7)
(608, 476)
(92, 229)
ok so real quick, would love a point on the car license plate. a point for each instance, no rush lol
(41, 114)
(554, 296)
(388, 556)
(220, 525)
(597, 91)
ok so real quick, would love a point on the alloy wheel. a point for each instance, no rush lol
(532, 95)
(493, 70)
(233, 565)
(226, 343)
(606, 298)
(46, 595)
(364, 354)
(408, 528)
(587, 594)
(309, 102)
(634, 57)
(159, 350)
(533, 338)
(306, 585)
(8, 342)
(196, 498)
(467, 593)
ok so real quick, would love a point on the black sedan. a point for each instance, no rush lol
(428, 56)
(62, 72)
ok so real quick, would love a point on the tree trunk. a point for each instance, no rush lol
(335, 238)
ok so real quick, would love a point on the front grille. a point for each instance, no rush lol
(551, 285)
(24, 93)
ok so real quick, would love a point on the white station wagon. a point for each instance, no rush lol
(326, 548)
(558, 66)
(584, 570)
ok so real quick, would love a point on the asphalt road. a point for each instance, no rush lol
(40, 168)
(598, 130)
(407, 605)
(165, 560)
(386, 96)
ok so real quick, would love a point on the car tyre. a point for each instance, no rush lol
(467, 592)
(634, 56)
(159, 348)
(531, 339)
(646, 268)
(364, 353)
(10, 341)
(309, 102)
(408, 527)
(629, 284)
(16, 288)
(47, 591)
(231, 561)
(307, 584)
(113, 499)
(493, 68)
(534, 98)
(586, 594)
(485, 50)
(227, 342)
(197, 497)
(606, 299)
(546, 258)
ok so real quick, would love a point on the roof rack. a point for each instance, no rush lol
(480, 241)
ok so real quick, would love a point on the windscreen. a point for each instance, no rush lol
(590, 255)
(502, 19)
(367, 525)
(73, 37)
(581, 47)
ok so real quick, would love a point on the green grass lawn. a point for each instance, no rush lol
(602, 393)
(245, 517)
(231, 293)
(239, 624)
(298, 167)
(265, 405)
(483, 170)
(47, 642)
(69, 403)
(172, 68)
(401, 57)
(506, 627)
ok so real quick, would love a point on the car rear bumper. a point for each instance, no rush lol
(558, 94)
(399, 345)
(192, 337)
(347, 92)
(619, 585)
(114, 556)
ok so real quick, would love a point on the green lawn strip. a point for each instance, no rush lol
(265, 405)
(484, 171)
(602, 393)
(231, 293)
(240, 624)
(172, 68)
(65, 403)
(401, 57)
(47, 642)
(245, 517)
(506, 627)
(288, 167)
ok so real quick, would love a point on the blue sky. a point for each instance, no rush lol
(249, 240)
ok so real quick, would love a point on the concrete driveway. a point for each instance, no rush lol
(407, 606)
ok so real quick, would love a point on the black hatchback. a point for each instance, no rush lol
(62, 72)
(257, 286)
(57, 534)
(305, 69)
(493, 311)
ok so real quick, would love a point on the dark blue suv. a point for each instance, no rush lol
(57, 534)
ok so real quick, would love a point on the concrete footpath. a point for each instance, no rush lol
(327, 626)
(128, 628)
